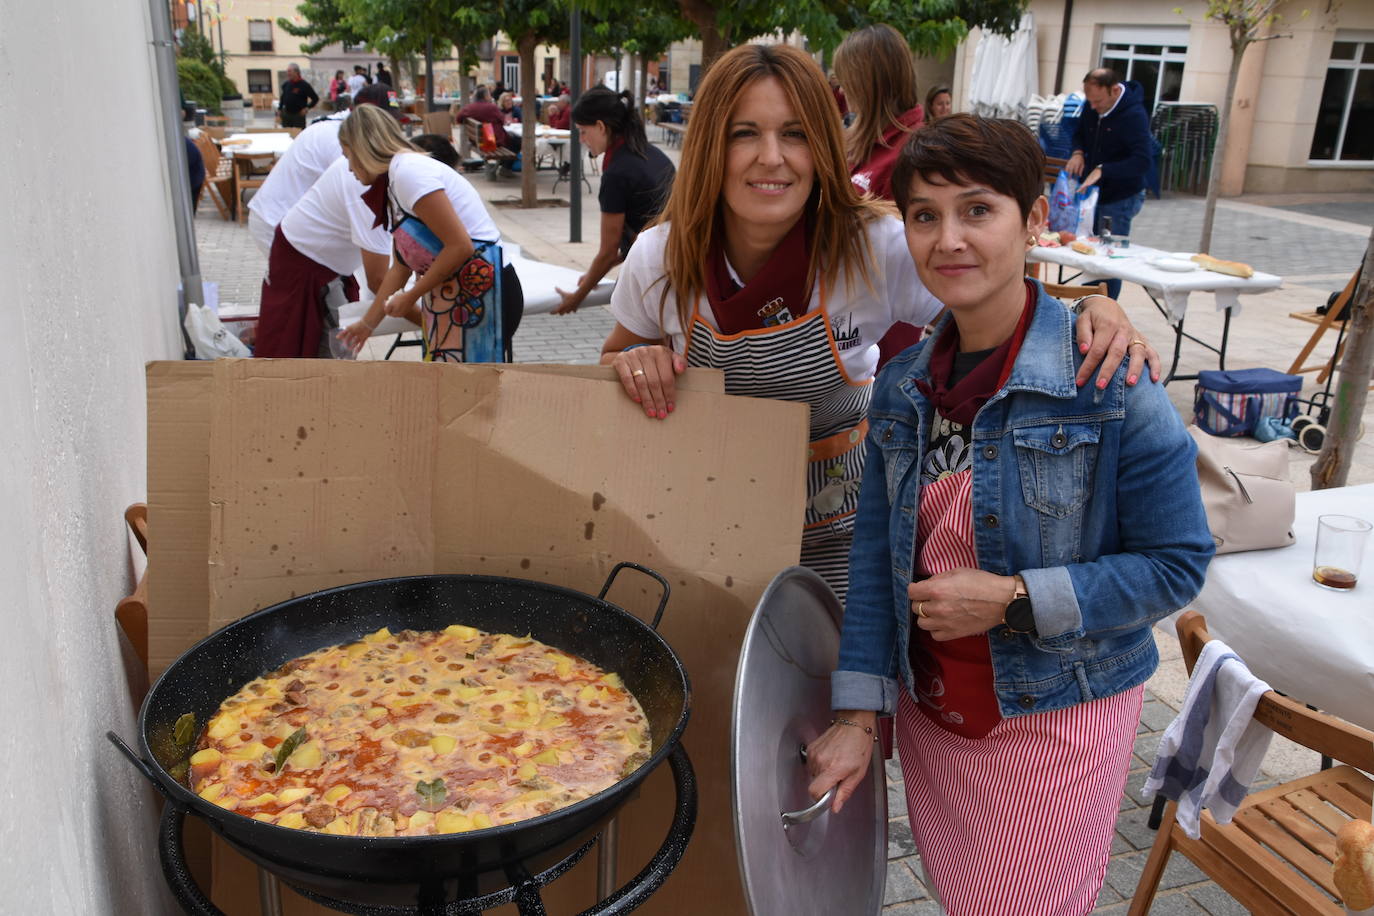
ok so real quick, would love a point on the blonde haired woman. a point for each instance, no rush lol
(441, 229)
(762, 189)
(879, 77)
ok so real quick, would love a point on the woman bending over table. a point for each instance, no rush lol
(1017, 535)
(635, 180)
(440, 229)
(767, 264)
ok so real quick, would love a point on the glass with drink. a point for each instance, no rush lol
(1340, 549)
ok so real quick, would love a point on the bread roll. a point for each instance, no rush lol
(1083, 247)
(1353, 870)
(1230, 268)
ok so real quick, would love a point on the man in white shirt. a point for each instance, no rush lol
(302, 164)
(357, 81)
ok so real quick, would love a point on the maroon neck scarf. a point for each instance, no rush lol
(611, 150)
(961, 403)
(776, 295)
(375, 198)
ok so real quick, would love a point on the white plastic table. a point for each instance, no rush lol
(257, 145)
(1311, 643)
(1168, 290)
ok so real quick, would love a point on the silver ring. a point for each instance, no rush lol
(637, 372)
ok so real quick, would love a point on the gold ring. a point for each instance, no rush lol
(637, 372)
(1135, 341)
(920, 609)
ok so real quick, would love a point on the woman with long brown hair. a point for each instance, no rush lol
(762, 189)
(879, 78)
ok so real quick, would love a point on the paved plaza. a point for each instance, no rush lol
(1314, 242)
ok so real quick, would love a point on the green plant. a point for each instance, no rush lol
(200, 84)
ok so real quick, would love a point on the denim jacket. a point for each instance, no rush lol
(1090, 495)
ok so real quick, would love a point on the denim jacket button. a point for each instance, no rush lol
(1059, 440)
(1026, 701)
(1007, 634)
(990, 452)
(991, 521)
(887, 434)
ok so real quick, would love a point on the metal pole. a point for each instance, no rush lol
(1063, 47)
(575, 147)
(608, 847)
(164, 56)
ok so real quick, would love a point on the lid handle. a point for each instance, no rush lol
(793, 818)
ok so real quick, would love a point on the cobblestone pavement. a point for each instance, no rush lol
(1315, 243)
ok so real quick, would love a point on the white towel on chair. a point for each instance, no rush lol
(1212, 752)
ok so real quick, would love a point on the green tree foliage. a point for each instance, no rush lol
(200, 84)
(324, 22)
(194, 46)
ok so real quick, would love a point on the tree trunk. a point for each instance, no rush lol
(1352, 391)
(703, 15)
(643, 80)
(464, 88)
(1209, 209)
(529, 191)
(396, 71)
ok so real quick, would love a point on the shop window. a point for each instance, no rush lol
(1345, 113)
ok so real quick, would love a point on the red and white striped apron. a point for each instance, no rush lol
(800, 361)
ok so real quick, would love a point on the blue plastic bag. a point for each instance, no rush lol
(1064, 204)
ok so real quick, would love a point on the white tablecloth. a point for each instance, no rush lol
(258, 145)
(1132, 264)
(1314, 644)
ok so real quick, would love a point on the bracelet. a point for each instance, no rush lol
(1077, 306)
(633, 347)
(868, 731)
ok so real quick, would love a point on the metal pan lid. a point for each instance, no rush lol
(812, 861)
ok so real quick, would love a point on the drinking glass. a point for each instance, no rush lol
(1340, 549)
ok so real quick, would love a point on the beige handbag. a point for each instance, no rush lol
(1249, 497)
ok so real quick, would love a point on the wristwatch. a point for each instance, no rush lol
(1019, 617)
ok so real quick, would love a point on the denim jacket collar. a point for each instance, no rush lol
(1045, 363)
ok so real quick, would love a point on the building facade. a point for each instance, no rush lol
(1302, 119)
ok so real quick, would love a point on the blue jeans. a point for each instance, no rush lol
(1122, 212)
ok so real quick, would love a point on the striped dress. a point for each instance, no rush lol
(1017, 822)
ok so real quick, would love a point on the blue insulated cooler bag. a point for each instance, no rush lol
(1231, 403)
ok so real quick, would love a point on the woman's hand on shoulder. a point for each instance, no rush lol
(841, 757)
(960, 602)
(648, 373)
(1105, 337)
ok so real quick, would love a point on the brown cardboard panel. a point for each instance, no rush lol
(179, 397)
(542, 475)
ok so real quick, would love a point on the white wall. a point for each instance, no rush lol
(88, 286)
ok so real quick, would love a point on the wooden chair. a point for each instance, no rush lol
(439, 122)
(219, 176)
(1052, 166)
(1065, 291)
(1324, 323)
(250, 172)
(132, 612)
(1275, 856)
(472, 128)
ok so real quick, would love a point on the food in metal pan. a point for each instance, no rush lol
(416, 733)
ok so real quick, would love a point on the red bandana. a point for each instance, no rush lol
(777, 294)
(961, 403)
(611, 150)
(375, 198)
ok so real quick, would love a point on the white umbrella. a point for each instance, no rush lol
(1005, 73)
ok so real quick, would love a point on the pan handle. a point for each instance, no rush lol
(793, 818)
(173, 854)
(143, 766)
(662, 602)
(653, 875)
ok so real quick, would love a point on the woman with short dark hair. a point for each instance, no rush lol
(1017, 535)
(636, 178)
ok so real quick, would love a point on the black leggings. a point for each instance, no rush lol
(512, 307)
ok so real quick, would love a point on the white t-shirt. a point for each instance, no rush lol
(413, 175)
(331, 222)
(356, 82)
(859, 316)
(304, 161)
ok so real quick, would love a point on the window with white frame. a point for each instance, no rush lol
(259, 35)
(1151, 55)
(1345, 115)
(260, 81)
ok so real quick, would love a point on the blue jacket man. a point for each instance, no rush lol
(1112, 148)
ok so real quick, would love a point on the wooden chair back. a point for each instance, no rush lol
(1325, 734)
(439, 122)
(1067, 291)
(1052, 166)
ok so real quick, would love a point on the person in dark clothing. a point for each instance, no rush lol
(297, 97)
(485, 111)
(1112, 150)
(384, 75)
(636, 179)
(195, 166)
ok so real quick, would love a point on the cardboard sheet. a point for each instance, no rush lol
(276, 478)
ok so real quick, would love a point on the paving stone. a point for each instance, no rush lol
(1119, 843)
(1180, 872)
(1157, 715)
(1216, 901)
(913, 865)
(1146, 747)
(1175, 905)
(1133, 826)
(902, 885)
(923, 908)
(899, 841)
(1107, 895)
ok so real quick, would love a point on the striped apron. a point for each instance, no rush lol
(800, 361)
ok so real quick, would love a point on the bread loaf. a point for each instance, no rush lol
(1083, 247)
(1353, 870)
(1230, 268)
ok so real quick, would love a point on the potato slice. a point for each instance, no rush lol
(451, 822)
(205, 757)
(335, 793)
